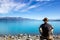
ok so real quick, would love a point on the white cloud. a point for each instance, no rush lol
(43, 0)
(34, 6)
(19, 6)
(6, 6)
(3, 6)
(31, 7)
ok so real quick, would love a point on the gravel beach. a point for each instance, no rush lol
(24, 37)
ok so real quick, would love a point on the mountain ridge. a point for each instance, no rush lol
(21, 18)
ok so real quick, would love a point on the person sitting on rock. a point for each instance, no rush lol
(46, 30)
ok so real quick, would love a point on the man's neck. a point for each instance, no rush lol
(45, 23)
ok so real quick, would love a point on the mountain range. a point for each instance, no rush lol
(20, 18)
(14, 19)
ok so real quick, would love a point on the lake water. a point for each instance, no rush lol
(25, 27)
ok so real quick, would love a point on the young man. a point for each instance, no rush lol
(46, 30)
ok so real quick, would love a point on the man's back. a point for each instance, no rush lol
(46, 29)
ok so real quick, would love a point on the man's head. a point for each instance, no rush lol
(45, 20)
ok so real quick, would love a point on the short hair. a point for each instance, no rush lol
(45, 19)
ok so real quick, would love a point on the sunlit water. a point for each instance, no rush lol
(25, 27)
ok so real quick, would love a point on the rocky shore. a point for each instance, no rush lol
(25, 37)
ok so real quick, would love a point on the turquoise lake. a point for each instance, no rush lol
(25, 27)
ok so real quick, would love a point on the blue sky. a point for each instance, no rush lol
(33, 9)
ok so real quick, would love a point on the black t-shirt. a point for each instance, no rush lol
(46, 28)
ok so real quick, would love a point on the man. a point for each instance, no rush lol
(46, 30)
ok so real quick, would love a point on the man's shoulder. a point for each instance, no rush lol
(46, 24)
(41, 24)
(49, 24)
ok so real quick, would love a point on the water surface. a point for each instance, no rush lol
(25, 27)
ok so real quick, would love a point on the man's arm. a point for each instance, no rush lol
(51, 29)
(40, 29)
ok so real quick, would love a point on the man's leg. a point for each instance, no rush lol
(51, 39)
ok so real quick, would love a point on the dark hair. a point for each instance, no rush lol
(45, 19)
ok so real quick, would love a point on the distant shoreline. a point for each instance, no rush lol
(21, 18)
